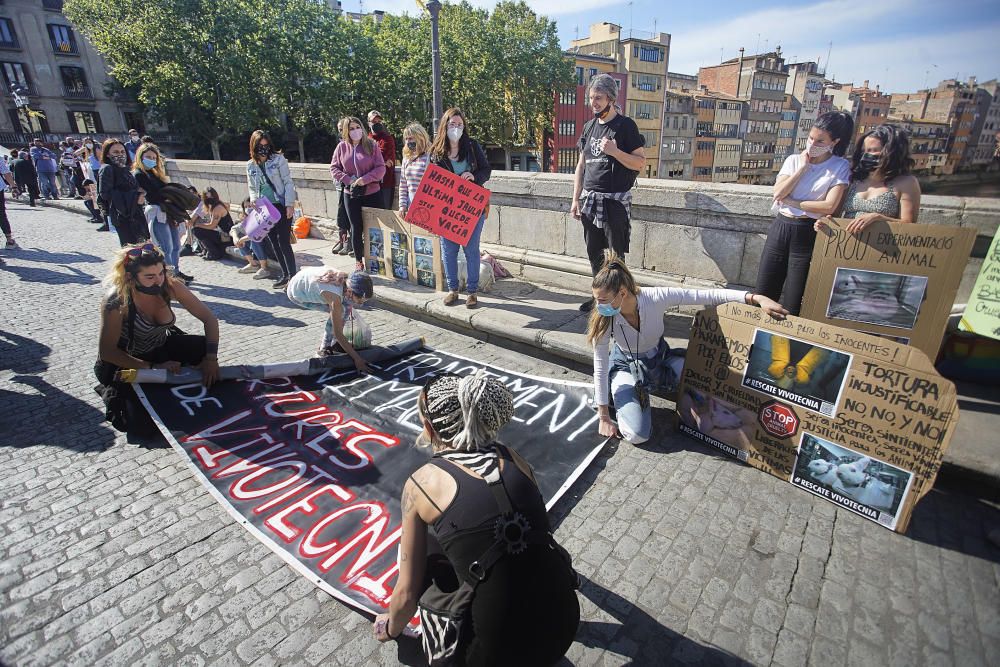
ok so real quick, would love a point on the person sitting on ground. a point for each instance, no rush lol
(462, 512)
(640, 361)
(337, 293)
(138, 331)
(253, 251)
(213, 233)
(882, 188)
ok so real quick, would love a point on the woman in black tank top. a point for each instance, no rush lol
(213, 235)
(456, 508)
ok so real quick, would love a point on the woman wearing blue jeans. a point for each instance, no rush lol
(640, 361)
(151, 175)
(455, 151)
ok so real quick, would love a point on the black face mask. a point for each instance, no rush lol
(119, 160)
(870, 161)
(378, 127)
(153, 290)
(412, 145)
(600, 115)
(264, 151)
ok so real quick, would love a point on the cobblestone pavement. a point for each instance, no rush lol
(115, 554)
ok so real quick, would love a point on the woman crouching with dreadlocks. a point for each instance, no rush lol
(477, 550)
(138, 331)
(641, 361)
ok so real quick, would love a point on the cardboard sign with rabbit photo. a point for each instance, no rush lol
(893, 280)
(860, 420)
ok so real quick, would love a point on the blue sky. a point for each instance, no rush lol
(898, 44)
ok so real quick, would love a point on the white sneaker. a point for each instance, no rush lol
(247, 268)
(262, 274)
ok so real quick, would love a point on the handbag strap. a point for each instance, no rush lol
(263, 172)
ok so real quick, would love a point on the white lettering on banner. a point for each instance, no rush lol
(198, 399)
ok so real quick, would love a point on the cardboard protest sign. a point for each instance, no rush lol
(893, 280)
(398, 251)
(314, 465)
(447, 205)
(859, 420)
(982, 314)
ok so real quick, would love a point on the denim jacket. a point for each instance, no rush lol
(277, 171)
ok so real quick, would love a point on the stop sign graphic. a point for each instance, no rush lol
(779, 420)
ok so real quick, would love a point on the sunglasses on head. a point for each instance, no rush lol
(133, 254)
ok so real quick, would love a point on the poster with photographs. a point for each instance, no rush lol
(376, 243)
(797, 371)
(423, 246)
(863, 484)
(397, 253)
(871, 297)
(400, 241)
(716, 422)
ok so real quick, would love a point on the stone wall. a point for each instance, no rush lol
(682, 231)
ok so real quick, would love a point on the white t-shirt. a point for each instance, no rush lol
(653, 303)
(305, 287)
(814, 183)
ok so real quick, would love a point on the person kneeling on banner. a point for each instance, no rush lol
(641, 361)
(336, 293)
(138, 330)
(477, 557)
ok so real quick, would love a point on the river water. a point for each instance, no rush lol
(990, 189)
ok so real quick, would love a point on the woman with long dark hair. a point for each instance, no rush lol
(268, 175)
(118, 194)
(455, 151)
(810, 185)
(213, 231)
(357, 164)
(882, 187)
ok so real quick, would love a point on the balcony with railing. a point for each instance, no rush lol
(11, 43)
(78, 92)
(64, 47)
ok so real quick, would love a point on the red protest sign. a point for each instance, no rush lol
(447, 205)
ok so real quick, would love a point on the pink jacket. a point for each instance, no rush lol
(350, 162)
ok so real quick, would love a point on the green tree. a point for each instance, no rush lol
(212, 68)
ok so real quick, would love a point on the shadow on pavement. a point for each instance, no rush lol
(51, 416)
(259, 294)
(50, 277)
(233, 314)
(46, 257)
(942, 519)
(656, 645)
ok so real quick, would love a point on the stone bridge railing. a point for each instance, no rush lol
(682, 231)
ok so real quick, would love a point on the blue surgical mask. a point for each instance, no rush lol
(608, 309)
(147, 163)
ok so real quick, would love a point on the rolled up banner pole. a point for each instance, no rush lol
(313, 366)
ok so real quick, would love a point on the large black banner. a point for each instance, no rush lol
(313, 465)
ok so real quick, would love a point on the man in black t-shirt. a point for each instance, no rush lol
(611, 156)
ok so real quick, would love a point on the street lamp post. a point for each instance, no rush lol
(434, 7)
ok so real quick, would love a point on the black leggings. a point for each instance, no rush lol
(784, 261)
(353, 206)
(615, 234)
(4, 222)
(280, 239)
(211, 241)
(123, 408)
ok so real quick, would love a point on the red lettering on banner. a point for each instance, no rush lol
(209, 457)
(287, 530)
(377, 590)
(250, 464)
(297, 396)
(294, 492)
(333, 433)
(372, 536)
(325, 418)
(215, 432)
(353, 445)
(240, 489)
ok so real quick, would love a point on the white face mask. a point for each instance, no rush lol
(817, 151)
(356, 134)
(455, 133)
